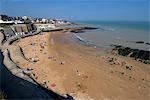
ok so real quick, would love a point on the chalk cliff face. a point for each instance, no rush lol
(22, 84)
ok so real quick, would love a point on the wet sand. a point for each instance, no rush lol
(67, 67)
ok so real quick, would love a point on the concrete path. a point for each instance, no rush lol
(15, 83)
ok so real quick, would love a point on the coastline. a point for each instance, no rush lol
(74, 66)
(81, 71)
(19, 78)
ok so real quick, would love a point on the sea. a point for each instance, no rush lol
(125, 33)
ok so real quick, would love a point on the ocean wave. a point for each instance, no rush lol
(89, 43)
(79, 38)
(106, 29)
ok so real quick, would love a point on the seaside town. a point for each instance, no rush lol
(24, 25)
(45, 58)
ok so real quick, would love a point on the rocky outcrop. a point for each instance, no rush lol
(147, 43)
(140, 55)
(89, 28)
(140, 42)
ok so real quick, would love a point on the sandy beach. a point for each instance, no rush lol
(65, 66)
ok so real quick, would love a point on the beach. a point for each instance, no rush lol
(62, 64)
(75, 49)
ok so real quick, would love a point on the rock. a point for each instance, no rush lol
(78, 85)
(142, 55)
(35, 61)
(42, 46)
(130, 77)
(139, 42)
(147, 43)
(128, 67)
(90, 28)
(112, 61)
(146, 62)
(124, 51)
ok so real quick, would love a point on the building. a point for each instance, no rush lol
(2, 22)
(21, 29)
(6, 22)
(45, 27)
(18, 22)
(8, 32)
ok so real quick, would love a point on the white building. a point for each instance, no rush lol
(18, 22)
(44, 20)
(6, 22)
(25, 17)
(45, 27)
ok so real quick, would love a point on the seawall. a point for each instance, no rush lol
(16, 82)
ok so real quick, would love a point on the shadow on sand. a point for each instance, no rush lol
(17, 88)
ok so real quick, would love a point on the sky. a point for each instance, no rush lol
(120, 10)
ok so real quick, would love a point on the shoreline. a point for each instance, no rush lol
(67, 60)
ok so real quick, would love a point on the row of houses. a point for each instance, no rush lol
(16, 27)
(18, 30)
(25, 25)
(18, 20)
(50, 21)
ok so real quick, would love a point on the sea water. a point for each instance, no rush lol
(124, 33)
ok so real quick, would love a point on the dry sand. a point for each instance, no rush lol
(84, 72)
